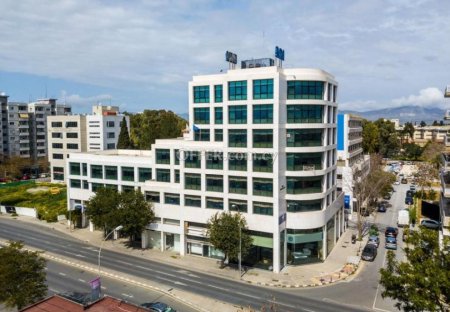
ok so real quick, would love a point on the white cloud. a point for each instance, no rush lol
(426, 97)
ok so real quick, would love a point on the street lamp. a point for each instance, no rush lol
(118, 228)
(240, 241)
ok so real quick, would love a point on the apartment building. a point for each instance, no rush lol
(444, 204)
(262, 143)
(3, 123)
(81, 133)
(352, 164)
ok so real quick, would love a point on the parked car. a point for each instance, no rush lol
(158, 307)
(381, 208)
(412, 188)
(391, 231)
(391, 243)
(409, 201)
(373, 240)
(369, 252)
(404, 181)
(430, 224)
(409, 193)
(25, 177)
(397, 183)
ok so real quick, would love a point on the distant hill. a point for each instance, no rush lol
(404, 113)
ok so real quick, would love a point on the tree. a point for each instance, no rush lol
(223, 233)
(435, 123)
(389, 144)
(422, 282)
(370, 136)
(108, 209)
(124, 141)
(22, 276)
(408, 129)
(412, 151)
(423, 123)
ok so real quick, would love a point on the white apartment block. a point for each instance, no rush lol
(352, 164)
(81, 133)
(262, 142)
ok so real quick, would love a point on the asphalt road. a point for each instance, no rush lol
(66, 279)
(167, 276)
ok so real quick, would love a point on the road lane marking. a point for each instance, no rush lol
(127, 295)
(61, 273)
(82, 280)
(53, 290)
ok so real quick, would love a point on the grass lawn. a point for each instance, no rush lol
(36, 195)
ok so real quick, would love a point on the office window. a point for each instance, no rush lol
(218, 135)
(153, 197)
(263, 114)
(262, 187)
(202, 135)
(56, 124)
(214, 160)
(192, 201)
(262, 162)
(214, 183)
(304, 205)
(85, 185)
(218, 115)
(263, 208)
(57, 145)
(305, 90)
(74, 168)
(84, 168)
(237, 114)
(214, 203)
(177, 175)
(110, 146)
(218, 93)
(56, 135)
(58, 173)
(237, 205)
(96, 171)
(144, 174)
(172, 199)
(111, 172)
(263, 138)
(304, 137)
(177, 156)
(58, 156)
(201, 94)
(237, 138)
(201, 115)
(237, 90)
(163, 175)
(96, 186)
(192, 181)
(71, 124)
(237, 185)
(72, 135)
(163, 156)
(127, 174)
(110, 124)
(263, 89)
(304, 113)
(72, 146)
(127, 188)
(303, 161)
(111, 135)
(192, 159)
(75, 183)
(237, 161)
(304, 185)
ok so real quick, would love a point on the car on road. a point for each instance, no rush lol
(391, 243)
(373, 240)
(409, 193)
(409, 201)
(430, 224)
(397, 183)
(391, 231)
(158, 307)
(404, 181)
(381, 208)
(369, 252)
(412, 188)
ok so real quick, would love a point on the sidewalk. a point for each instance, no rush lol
(341, 264)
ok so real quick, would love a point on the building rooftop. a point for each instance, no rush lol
(122, 152)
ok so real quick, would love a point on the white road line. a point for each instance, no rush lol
(53, 290)
(103, 287)
(82, 280)
(61, 273)
(127, 295)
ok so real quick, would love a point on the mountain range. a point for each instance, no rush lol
(408, 113)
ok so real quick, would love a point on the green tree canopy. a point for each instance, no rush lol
(422, 282)
(412, 151)
(389, 144)
(22, 276)
(223, 232)
(408, 129)
(124, 141)
(150, 125)
(423, 123)
(108, 209)
(370, 136)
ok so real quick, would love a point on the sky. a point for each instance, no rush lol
(141, 54)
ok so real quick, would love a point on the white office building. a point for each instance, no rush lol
(262, 142)
(82, 133)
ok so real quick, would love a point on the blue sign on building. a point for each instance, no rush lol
(279, 53)
(346, 201)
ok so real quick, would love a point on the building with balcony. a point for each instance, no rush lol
(444, 204)
(352, 164)
(262, 142)
(81, 133)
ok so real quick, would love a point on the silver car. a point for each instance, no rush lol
(430, 224)
(373, 240)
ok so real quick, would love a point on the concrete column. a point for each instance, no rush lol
(276, 251)
(324, 242)
(91, 226)
(163, 241)
(144, 239)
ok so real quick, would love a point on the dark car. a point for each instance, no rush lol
(381, 208)
(369, 252)
(409, 200)
(158, 307)
(404, 181)
(391, 231)
(409, 193)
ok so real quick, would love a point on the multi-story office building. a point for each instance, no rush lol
(263, 143)
(352, 164)
(81, 133)
(3, 123)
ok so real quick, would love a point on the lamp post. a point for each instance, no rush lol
(118, 228)
(240, 242)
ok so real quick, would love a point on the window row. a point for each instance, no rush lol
(61, 146)
(110, 172)
(69, 135)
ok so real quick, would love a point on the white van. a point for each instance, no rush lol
(403, 218)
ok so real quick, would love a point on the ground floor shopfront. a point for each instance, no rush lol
(268, 251)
